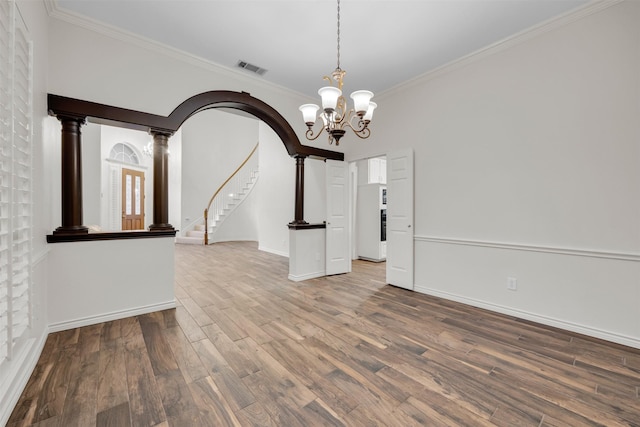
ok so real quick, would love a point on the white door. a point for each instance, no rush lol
(337, 243)
(400, 218)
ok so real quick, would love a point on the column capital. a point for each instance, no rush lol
(160, 132)
(81, 120)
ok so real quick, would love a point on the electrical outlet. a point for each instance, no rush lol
(512, 283)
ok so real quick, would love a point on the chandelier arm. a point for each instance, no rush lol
(361, 123)
(362, 132)
(310, 134)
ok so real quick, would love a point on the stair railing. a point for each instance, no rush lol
(206, 211)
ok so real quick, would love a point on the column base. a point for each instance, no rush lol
(71, 229)
(161, 227)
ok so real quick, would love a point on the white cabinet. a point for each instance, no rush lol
(372, 171)
(377, 171)
(371, 223)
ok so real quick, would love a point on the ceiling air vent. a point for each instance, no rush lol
(250, 67)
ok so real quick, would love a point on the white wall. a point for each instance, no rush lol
(315, 192)
(527, 165)
(215, 143)
(175, 180)
(276, 187)
(99, 281)
(91, 181)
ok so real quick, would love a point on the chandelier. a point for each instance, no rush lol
(148, 149)
(334, 114)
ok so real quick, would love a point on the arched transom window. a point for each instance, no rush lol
(123, 153)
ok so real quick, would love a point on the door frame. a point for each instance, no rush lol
(141, 174)
(353, 194)
(111, 203)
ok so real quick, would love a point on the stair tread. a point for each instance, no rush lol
(189, 240)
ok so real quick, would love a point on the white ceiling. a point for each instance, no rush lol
(383, 42)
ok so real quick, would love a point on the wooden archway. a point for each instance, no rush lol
(72, 113)
(243, 101)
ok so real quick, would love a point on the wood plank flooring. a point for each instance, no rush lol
(247, 347)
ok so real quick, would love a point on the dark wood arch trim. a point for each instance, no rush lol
(243, 101)
(163, 127)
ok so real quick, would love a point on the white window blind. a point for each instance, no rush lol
(5, 169)
(15, 178)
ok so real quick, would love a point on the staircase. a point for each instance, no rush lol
(228, 197)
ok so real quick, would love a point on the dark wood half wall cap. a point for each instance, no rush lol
(305, 226)
(113, 235)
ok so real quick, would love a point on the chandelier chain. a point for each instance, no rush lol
(338, 34)
(336, 118)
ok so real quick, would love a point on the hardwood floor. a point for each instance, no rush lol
(247, 347)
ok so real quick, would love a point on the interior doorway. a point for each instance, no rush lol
(132, 199)
(382, 214)
(368, 208)
(125, 193)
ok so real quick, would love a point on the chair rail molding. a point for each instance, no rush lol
(621, 256)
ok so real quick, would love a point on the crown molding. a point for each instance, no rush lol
(91, 24)
(116, 33)
(559, 21)
(50, 6)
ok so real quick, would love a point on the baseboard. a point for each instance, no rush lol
(544, 320)
(18, 376)
(301, 277)
(273, 251)
(106, 317)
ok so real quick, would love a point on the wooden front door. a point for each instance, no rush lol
(132, 199)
